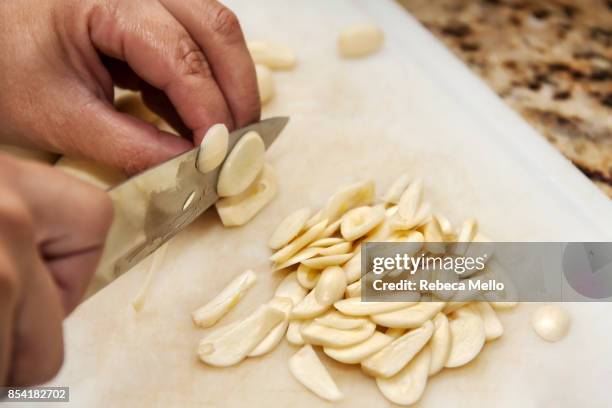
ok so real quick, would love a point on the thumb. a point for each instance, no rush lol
(120, 140)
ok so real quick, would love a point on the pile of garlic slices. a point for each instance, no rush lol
(318, 304)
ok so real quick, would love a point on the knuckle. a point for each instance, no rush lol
(15, 218)
(191, 59)
(223, 21)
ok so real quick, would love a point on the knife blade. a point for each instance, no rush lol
(153, 206)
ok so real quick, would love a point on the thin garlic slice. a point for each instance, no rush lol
(445, 226)
(410, 200)
(265, 83)
(355, 354)
(327, 242)
(274, 56)
(211, 312)
(240, 209)
(393, 357)
(434, 239)
(492, 326)
(321, 262)
(440, 343)
(291, 288)
(308, 277)
(394, 193)
(550, 322)
(353, 290)
(467, 337)
(213, 148)
(337, 320)
(298, 243)
(407, 386)
(409, 317)
(158, 258)
(355, 195)
(294, 332)
(304, 254)
(306, 367)
(331, 286)
(289, 228)
(338, 249)
(355, 307)
(233, 344)
(421, 217)
(359, 221)
(242, 165)
(352, 268)
(319, 334)
(273, 338)
(465, 236)
(308, 308)
(331, 229)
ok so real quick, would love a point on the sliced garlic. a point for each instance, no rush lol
(338, 249)
(355, 307)
(265, 83)
(274, 56)
(465, 236)
(321, 262)
(445, 225)
(306, 367)
(291, 288)
(409, 317)
(492, 326)
(319, 334)
(407, 386)
(242, 165)
(273, 338)
(440, 343)
(308, 277)
(327, 242)
(158, 258)
(240, 209)
(361, 220)
(421, 217)
(304, 254)
(394, 193)
(355, 195)
(289, 228)
(353, 290)
(410, 200)
(355, 354)
(550, 322)
(395, 333)
(294, 333)
(213, 148)
(233, 345)
(331, 229)
(331, 286)
(211, 312)
(393, 357)
(359, 40)
(308, 308)
(352, 268)
(502, 305)
(300, 242)
(434, 240)
(314, 219)
(467, 337)
(337, 320)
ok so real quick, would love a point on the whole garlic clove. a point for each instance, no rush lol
(550, 322)
(289, 228)
(306, 367)
(242, 165)
(213, 148)
(407, 386)
(359, 40)
(467, 337)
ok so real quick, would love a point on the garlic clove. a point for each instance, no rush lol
(355, 307)
(407, 386)
(276, 334)
(211, 312)
(308, 308)
(265, 83)
(467, 336)
(361, 220)
(465, 236)
(393, 357)
(242, 165)
(213, 148)
(409, 317)
(321, 262)
(318, 334)
(289, 228)
(308, 277)
(440, 343)
(356, 353)
(492, 326)
(274, 56)
(446, 227)
(306, 367)
(551, 322)
(359, 40)
(291, 288)
(331, 286)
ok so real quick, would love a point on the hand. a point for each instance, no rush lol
(51, 237)
(60, 59)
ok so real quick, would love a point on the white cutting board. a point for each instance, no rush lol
(412, 107)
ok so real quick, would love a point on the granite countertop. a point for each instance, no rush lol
(550, 60)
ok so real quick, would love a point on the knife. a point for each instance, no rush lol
(153, 206)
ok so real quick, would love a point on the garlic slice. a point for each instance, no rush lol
(294, 332)
(314, 219)
(232, 345)
(492, 326)
(338, 249)
(440, 343)
(550, 322)
(213, 148)
(298, 243)
(359, 221)
(409, 317)
(445, 225)
(327, 242)
(355, 354)
(273, 338)
(240, 209)
(337, 320)
(355, 195)
(331, 286)
(308, 277)
(434, 240)
(242, 165)
(301, 256)
(289, 228)
(321, 262)
(274, 56)
(467, 337)
(465, 236)
(318, 334)
(410, 200)
(421, 217)
(352, 268)
(355, 307)
(291, 288)
(265, 83)
(407, 386)
(306, 367)
(308, 308)
(353, 290)
(158, 258)
(393, 357)
(211, 312)
(331, 229)
(394, 193)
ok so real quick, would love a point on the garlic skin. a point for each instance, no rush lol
(551, 322)
(242, 165)
(213, 148)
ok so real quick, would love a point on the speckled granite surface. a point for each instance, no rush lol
(550, 60)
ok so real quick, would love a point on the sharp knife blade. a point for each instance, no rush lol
(155, 205)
